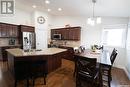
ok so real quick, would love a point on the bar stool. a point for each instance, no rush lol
(21, 72)
(38, 69)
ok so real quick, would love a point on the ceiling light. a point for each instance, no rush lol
(99, 20)
(34, 6)
(91, 21)
(47, 1)
(48, 10)
(94, 19)
(59, 9)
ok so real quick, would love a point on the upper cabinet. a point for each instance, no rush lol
(24, 28)
(8, 30)
(13, 31)
(70, 33)
(74, 34)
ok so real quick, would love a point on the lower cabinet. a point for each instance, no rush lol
(0, 55)
(4, 53)
(54, 62)
(4, 56)
(69, 54)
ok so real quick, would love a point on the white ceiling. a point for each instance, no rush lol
(116, 8)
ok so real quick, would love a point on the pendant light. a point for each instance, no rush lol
(93, 20)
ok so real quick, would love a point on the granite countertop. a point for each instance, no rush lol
(49, 51)
(10, 45)
(68, 46)
(63, 45)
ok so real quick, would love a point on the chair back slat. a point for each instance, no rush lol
(86, 65)
(113, 55)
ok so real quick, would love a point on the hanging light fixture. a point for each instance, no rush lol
(93, 20)
(47, 1)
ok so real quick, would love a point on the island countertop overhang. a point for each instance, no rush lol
(49, 51)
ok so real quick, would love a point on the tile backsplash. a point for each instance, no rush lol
(67, 43)
(5, 41)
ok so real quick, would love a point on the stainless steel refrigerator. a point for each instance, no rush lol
(28, 40)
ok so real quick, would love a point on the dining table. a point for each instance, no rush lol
(102, 56)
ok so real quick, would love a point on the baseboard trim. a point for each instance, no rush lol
(119, 66)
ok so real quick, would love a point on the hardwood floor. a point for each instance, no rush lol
(63, 77)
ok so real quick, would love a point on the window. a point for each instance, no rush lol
(128, 38)
(114, 36)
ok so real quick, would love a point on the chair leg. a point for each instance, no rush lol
(78, 82)
(7, 65)
(15, 83)
(44, 79)
(74, 73)
(109, 82)
(33, 82)
(27, 83)
(92, 84)
(100, 78)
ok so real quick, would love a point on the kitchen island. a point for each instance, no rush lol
(52, 56)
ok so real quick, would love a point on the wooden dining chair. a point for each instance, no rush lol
(75, 67)
(77, 51)
(86, 72)
(113, 55)
(106, 70)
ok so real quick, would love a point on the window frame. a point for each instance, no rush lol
(124, 35)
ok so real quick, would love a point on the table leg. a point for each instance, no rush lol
(100, 76)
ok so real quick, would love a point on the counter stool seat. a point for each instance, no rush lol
(38, 69)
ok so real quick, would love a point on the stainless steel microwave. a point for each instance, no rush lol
(56, 36)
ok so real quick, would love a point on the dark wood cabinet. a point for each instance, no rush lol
(25, 28)
(13, 32)
(54, 62)
(4, 53)
(8, 30)
(70, 33)
(69, 54)
(74, 34)
(65, 34)
(3, 30)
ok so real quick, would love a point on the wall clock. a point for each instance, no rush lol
(41, 20)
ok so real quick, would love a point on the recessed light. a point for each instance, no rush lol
(34, 6)
(48, 10)
(59, 9)
(47, 1)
